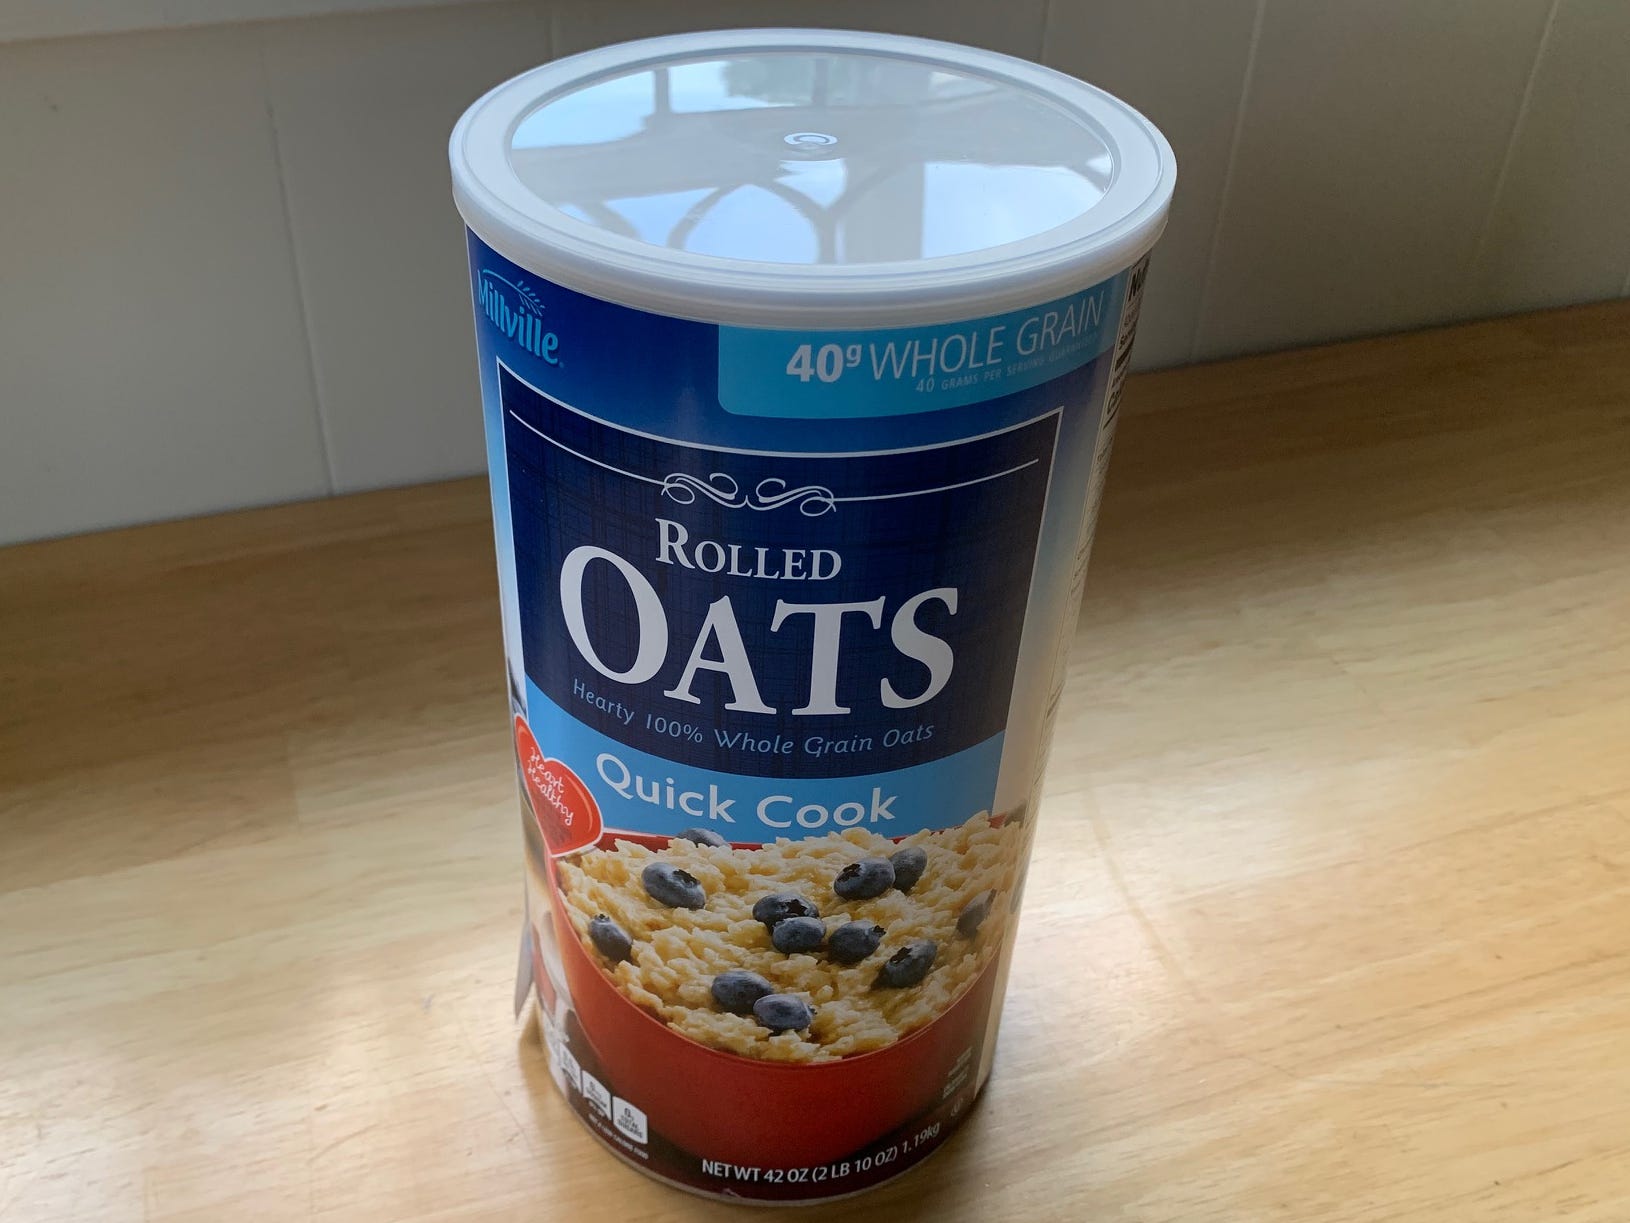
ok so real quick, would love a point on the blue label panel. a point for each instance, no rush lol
(772, 615)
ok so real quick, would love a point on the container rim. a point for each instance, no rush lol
(1103, 241)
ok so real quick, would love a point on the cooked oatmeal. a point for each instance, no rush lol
(962, 902)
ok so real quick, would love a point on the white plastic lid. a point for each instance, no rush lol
(811, 178)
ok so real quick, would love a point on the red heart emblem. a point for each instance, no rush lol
(567, 815)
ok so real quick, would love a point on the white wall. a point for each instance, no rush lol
(230, 273)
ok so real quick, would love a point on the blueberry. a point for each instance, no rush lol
(909, 865)
(783, 1012)
(738, 989)
(609, 939)
(909, 965)
(668, 885)
(703, 836)
(795, 934)
(778, 906)
(972, 917)
(864, 879)
(853, 941)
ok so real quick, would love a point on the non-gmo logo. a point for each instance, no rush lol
(516, 311)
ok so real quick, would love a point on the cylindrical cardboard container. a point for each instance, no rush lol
(800, 358)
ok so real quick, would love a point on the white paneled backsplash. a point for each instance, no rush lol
(377, 240)
(1370, 143)
(231, 274)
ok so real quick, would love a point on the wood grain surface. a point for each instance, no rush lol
(1330, 918)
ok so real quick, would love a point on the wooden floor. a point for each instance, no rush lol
(1331, 913)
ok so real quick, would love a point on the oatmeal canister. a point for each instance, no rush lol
(800, 358)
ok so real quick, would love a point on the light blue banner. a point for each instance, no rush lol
(844, 374)
(638, 792)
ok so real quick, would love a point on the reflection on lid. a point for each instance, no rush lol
(805, 159)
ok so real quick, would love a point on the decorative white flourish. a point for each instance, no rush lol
(812, 500)
(683, 488)
(770, 493)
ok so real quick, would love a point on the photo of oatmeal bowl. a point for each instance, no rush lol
(845, 968)
(795, 951)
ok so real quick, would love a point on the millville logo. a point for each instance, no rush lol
(516, 311)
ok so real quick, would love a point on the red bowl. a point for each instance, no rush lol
(746, 1111)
